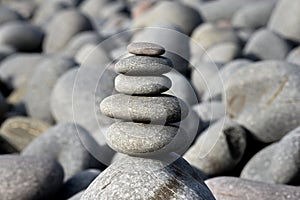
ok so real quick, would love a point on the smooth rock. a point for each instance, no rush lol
(58, 34)
(294, 56)
(210, 112)
(93, 8)
(143, 65)
(79, 40)
(22, 36)
(277, 163)
(25, 9)
(20, 131)
(144, 139)
(177, 180)
(231, 188)
(65, 143)
(156, 109)
(265, 103)
(78, 182)
(28, 177)
(17, 69)
(215, 86)
(259, 46)
(182, 88)
(142, 85)
(219, 148)
(7, 15)
(180, 15)
(171, 38)
(221, 53)
(254, 15)
(92, 54)
(77, 95)
(286, 24)
(43, 80)
(144, 48)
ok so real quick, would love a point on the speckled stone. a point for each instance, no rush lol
(157, 109)
(143, 65)
(29, 177)
(78, 183)
(142, 85)
(231, 188)
(65, 143)
(145, 48)
(139, 178)
(265, 103)
(144, 139)
(277, 163)
(20, 131)
(219, 148)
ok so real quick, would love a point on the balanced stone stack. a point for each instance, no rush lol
(147, 132)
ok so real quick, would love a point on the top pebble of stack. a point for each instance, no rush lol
(147, 49)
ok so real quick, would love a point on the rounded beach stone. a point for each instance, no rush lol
(145, 48)
(176, 180)
(20, 131)
(78, 183)
(22, 36)
(39, 89)
(142, 139)
(143, 65)
(7, 15)
(142, 85)
(17, 69)
(28, 177)
(231, 188)
(286, 24)
(265, 103)
(64, 142)
(258, 46)
(62, 27)
(219, 148)
(277, 163)
(157, 109)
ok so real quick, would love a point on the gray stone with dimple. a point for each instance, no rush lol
(62, 27)
(277, 163)
(142, 85)
(78, 182)
(219, 148)
(140, 178)
(286, 24)
(294, 56)
(22, 36)
(16, 70)
(65, 143)
(260, 101)
(157, 109)
(29, 177)
(144, 139)
(258, 46)
(143, 65)
(145, 48)
(43, 80)
(231, 188)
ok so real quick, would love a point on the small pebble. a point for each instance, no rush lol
(147, 49)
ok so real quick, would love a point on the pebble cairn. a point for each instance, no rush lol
(148, 116)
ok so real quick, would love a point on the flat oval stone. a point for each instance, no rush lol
(143, 65)
(158, 109)
(20, 131)
(137, 138)
(145, 85)
(145, 48)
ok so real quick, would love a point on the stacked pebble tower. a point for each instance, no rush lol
(148, 116)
